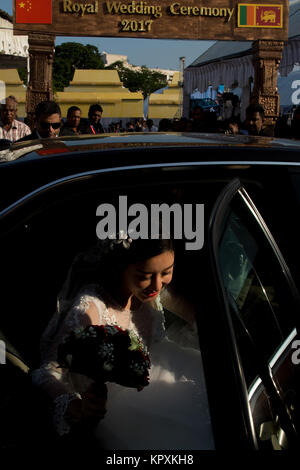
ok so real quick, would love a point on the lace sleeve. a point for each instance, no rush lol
(59, 384)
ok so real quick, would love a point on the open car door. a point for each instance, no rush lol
(261, 306)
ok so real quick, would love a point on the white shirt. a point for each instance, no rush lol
(17, 131)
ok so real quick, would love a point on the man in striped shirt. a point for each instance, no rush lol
(10, 128)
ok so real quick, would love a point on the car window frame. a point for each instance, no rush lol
(217, 224)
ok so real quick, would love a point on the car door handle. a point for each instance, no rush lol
(271, 431)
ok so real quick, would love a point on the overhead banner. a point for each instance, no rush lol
(159, 19)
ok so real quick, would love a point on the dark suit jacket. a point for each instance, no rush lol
(83, 128)
(86, 128)
(32, 136)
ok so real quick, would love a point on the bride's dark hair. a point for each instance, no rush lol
(104, 264)
(122, 255)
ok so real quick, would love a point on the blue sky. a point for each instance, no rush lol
(150, 52)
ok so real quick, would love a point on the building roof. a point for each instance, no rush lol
(13, 49)
(221, 50)
(294, 20)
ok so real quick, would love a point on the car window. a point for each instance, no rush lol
(262, 304)
(255, 282)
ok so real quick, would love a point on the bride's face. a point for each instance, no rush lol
(146, 279)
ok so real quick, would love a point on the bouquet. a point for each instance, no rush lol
(106, 353)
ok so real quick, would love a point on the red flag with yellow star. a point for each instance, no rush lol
(34, 11)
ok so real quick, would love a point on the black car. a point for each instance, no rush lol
(241, 276)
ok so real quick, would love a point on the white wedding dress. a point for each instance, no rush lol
(171, 413)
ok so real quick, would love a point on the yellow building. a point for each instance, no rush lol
(10, 84)
(103, 87)
(166, 104)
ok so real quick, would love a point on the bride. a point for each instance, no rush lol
(124, 282)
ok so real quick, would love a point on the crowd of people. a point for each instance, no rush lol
(49, 123)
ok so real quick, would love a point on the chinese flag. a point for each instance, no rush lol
(34, 11)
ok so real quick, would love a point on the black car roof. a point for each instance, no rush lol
(218, 144)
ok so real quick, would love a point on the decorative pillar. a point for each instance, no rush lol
(266, 59)
(41, 55)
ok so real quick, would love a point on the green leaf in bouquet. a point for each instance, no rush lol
(135, 342)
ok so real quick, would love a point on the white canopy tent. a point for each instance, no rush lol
(230, 62)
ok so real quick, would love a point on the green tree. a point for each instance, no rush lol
(70, 56)
(23, 74)
(145, 80)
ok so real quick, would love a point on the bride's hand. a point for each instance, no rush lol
(91, 408)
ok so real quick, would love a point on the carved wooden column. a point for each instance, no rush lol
(41, 54)
(266, 58)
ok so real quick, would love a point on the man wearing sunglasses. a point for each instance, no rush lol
(47, 121)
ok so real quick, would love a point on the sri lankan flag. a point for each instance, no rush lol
(259, 16)
(33, 11)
